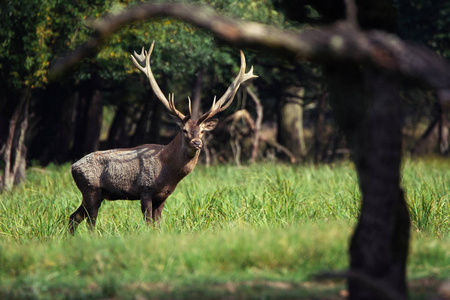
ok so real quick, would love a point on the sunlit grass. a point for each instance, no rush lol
(222, 224)
(221, 197)
(427, 186)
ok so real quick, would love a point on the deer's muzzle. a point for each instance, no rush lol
(197, 144)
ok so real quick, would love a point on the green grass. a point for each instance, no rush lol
(427, 185)
(255, 232)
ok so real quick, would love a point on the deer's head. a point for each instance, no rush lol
(192, 130)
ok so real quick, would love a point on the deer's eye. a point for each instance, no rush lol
(185, 131)
(202, 131)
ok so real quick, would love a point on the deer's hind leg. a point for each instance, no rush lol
(146, 208)
(92, 201)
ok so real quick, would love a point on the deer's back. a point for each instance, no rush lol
(120, 173)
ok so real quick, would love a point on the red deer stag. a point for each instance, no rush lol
(148, 172)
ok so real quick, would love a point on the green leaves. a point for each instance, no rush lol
(43, 30)
(415, 24)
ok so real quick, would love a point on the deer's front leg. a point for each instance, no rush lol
(157, 208)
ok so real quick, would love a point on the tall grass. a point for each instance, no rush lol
(222, 224)
(427, 186)
(259, 196)
(223, 197)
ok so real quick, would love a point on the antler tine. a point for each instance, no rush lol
(190, 106)
(141, 58)
(144, 66)
(229, 94)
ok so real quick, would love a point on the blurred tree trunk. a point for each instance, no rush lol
(197, 95)
(14, 151)
(290, 121)
(366, 105)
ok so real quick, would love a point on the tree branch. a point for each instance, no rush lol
(341, 42)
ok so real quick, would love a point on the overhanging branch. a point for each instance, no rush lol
(341, 42)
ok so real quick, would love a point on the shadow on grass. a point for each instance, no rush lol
(256, 289)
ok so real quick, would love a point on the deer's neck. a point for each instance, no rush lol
(178, 155)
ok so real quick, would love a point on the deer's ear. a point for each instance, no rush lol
(210, 124)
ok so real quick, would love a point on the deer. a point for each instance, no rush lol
(150, 172)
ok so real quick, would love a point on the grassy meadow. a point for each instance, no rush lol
(254, 232)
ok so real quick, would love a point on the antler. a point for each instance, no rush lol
(144, 66)
(228, 97)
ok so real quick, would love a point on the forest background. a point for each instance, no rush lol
(106, 103)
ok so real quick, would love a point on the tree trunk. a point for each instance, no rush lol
(14, 150)
(367, 108)
(290, 121)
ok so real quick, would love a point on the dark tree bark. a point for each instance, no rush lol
(367, 107)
